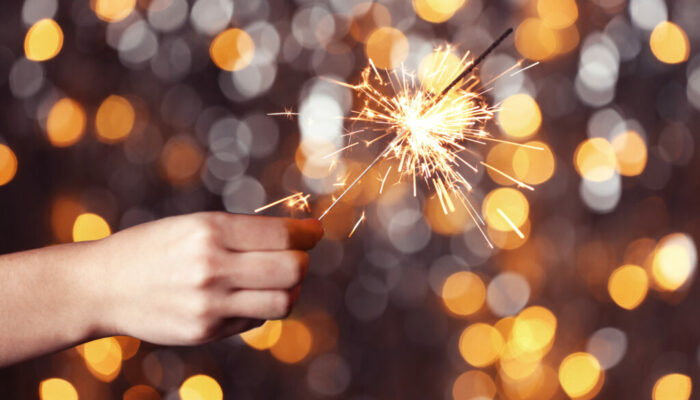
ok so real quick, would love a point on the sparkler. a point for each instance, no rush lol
(430, 127)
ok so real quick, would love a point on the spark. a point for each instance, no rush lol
(359, 221)
(524, 69)
(287, 113)
(296, 201)
(510, 223)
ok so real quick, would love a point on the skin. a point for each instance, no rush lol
(182, 280)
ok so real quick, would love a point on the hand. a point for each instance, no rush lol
(196, 278)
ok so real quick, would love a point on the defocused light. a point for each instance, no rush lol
(595, 160)
(437, 11)
(8, 164)
(463, 293)
(669, 43)
(57, 389)
(232, 49)
(294, 343)
(578, 374)
(90, 226)
(452, 223)
(631, 152)
(141, 392)
(437, 61)
(115, 119)
(608, 346)
(112, 10)
(103, 357)
(65, 124)
(519, 116)
(200, 387)
(129, 345)
(628, 286)
(557, 14)
(533, 166)
(535, 40)
(534, 329)
(507, 293)
(387, 47)
(44, 40)
(673, 387)
(472, 385)
(508, 202)
(674, 262)
(181, 159)
(480, 344)
(264, 336)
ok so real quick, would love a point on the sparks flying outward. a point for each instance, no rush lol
(429, 120)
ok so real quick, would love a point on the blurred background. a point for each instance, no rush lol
(117, 112)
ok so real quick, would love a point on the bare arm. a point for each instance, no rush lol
(178, 281)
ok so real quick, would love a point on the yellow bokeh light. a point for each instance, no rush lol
(519, 116)
(579, 374)
(89, 226)
(631, 152)
(65, 124)
(232, 49)
(669, 43)
(57, 389)
(673, 387)
(264, 336)
(504, 206)
(43, 41)
(533, 166)
(8, 164)
(114, 119)
(480, 344)
(438, 61)
(535, 40)
(674, 261)
(595, 160)
(129, 345)
(463, 293)
(201, 387)
(437, 11)
(387, 47)
(628, 286)
(112, 10)
(452, 223)
(473, 385)
(103, 357)
(534, 329)
(557, 14)
(294, 343)
(141, 392)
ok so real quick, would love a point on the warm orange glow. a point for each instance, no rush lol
(387, 47)
(43, 41)
(669, 43)
(8, 164)
(673, 387)
(141, 392)
(264, 336)
(463, 293)
(631, 152)
(674, 261)
(294, 343)
(437, 11)
(533, 166)
(130, 346)
(200, 387)
(473, 385)
(480, 344)
(628, 286)
(112, 10)
(232, 49)
(519, 116)
(103, 357)
(595, 160)
(115, 119)
(65, 124)
(513, 206)
(90, 226)
(181, 159)
(534, 329)
(535, 40)
(435, 61)
(578, 374)
(57, 389)
(557, 14)
(453, 223)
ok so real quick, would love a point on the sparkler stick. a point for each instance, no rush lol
(430, 105)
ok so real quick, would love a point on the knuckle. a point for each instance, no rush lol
(201, 331)
(298, 261)
(281, 304)
(202, 307)
(206, 227)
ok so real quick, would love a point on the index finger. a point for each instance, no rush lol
(258, 233)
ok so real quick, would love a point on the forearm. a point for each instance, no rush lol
(47, 300)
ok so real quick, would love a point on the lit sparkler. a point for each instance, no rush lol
(297, 201)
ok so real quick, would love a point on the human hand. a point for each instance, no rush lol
(195, 278)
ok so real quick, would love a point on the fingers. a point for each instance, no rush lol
(265, 269)
(256, 233)
(260, 304)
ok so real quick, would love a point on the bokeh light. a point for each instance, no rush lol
(8, 164)
(294, 342)
(480, 344)
(264, 336)
(103, 357)
(89, 226)
(232, 49)
(628, 286)
(674, 261)
(463, 293)
(595, 160)
(112, 10)
(200, 387)
(669, 43)
(115, 119)
(44, 40)
(65, 124)
(387, 47)
(437, 11)
(579, 374)
(57, 389)
(504, 206)
(673, 387)
(519, 116)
